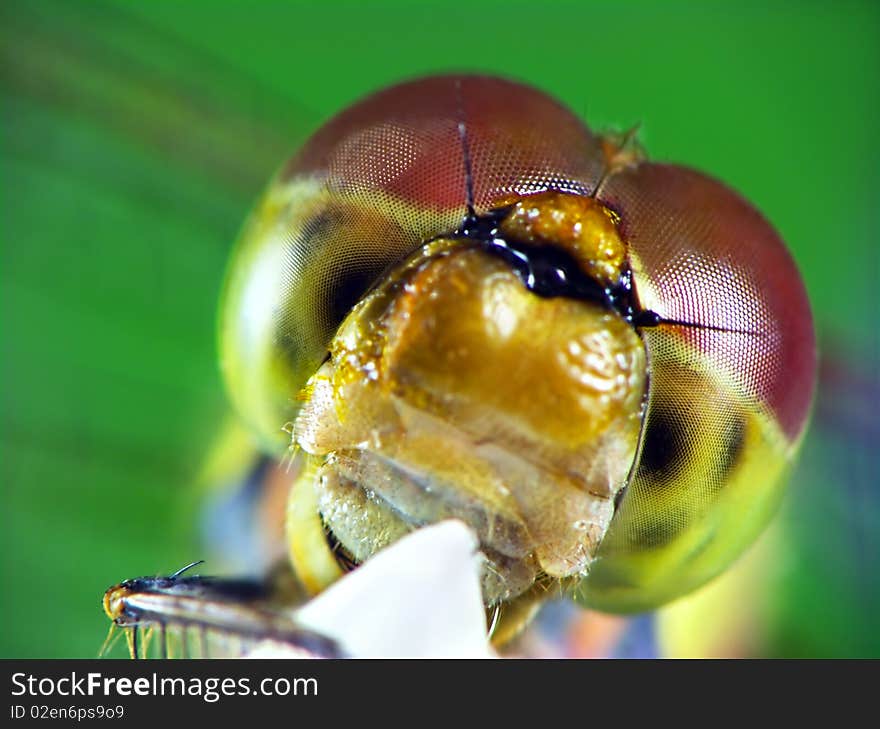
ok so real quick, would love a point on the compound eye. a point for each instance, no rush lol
(730, 343)
(730, 391)
(371, 186)
(304, 259)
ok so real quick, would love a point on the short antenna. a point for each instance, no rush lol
(649, 319)
(612, 161)
(466, 152)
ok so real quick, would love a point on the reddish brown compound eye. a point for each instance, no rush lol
(707, 294)
(708, 257)
(730, 392)
(405, 145)
(365, 191)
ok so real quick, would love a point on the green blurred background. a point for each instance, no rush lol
(136, 136)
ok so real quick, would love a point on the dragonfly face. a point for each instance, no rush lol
(467, 304)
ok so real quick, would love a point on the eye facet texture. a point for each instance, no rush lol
(726, 408)
(730, 385)
(708, 257)
(367, 189)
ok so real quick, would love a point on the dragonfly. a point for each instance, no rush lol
(513, 341)
(97, 126)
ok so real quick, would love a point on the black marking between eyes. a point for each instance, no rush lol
(550, 271)
(547, 270)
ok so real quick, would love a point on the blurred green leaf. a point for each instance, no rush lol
(129, 162)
